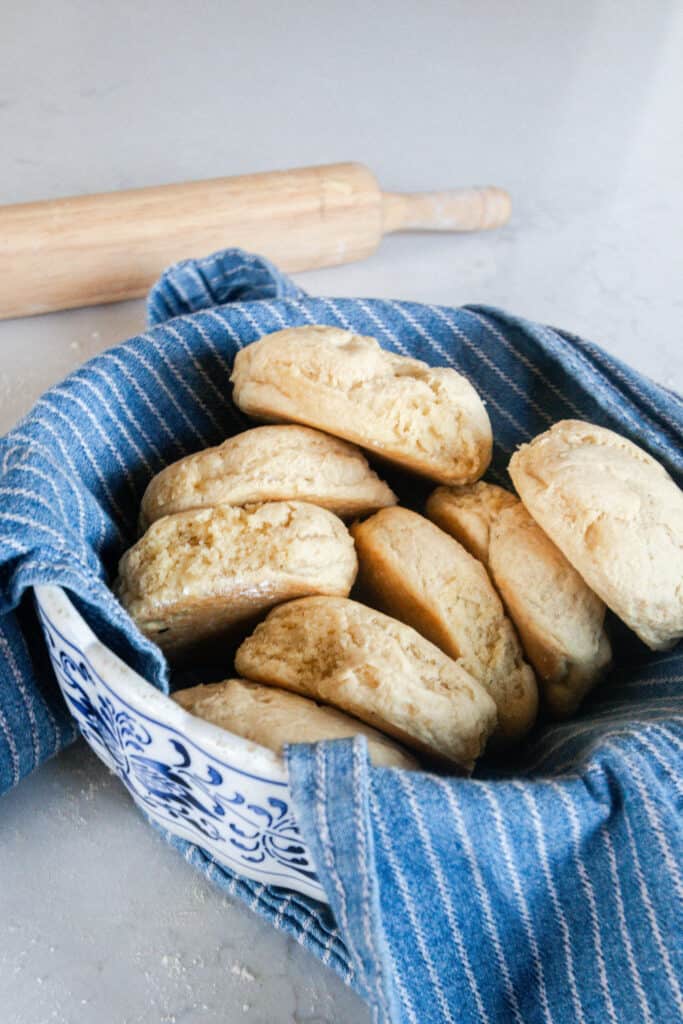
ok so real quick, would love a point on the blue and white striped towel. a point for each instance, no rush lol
(547, 895)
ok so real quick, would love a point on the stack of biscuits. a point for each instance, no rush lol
(466, 618)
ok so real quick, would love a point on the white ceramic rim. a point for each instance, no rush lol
(231, 754)
(251, 758)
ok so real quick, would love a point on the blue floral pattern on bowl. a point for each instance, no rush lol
(242, 818)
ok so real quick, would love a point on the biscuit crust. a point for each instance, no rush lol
(376, 668)
(428, 420)
(416, 572)
(272, 718)
(560, 620)
(279, 463)
(616, 515)
(196, 574)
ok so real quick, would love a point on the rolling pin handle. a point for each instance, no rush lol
(465, 209)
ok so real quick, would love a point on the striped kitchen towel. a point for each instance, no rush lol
(548, 893)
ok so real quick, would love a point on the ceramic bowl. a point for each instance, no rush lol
(204, 784)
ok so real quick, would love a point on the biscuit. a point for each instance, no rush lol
(195, 574)
(273, 717)
(428, 420)
(559, 619)
(414, 571)
(467, 513)
(283, 463)
(375, 668)
(616, 515)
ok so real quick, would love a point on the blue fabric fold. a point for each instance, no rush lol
(550, 891)
(230, 276)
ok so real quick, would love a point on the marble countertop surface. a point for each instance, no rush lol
(574, 108)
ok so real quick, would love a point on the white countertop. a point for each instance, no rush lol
(574, 108)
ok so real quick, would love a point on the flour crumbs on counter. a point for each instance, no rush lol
(242, 972)
(173, 964)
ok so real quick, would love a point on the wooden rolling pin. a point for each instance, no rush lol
(81, 251)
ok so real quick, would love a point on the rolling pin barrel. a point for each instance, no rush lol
(57, 254)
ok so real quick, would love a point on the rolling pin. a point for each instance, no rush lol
(81, 251)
